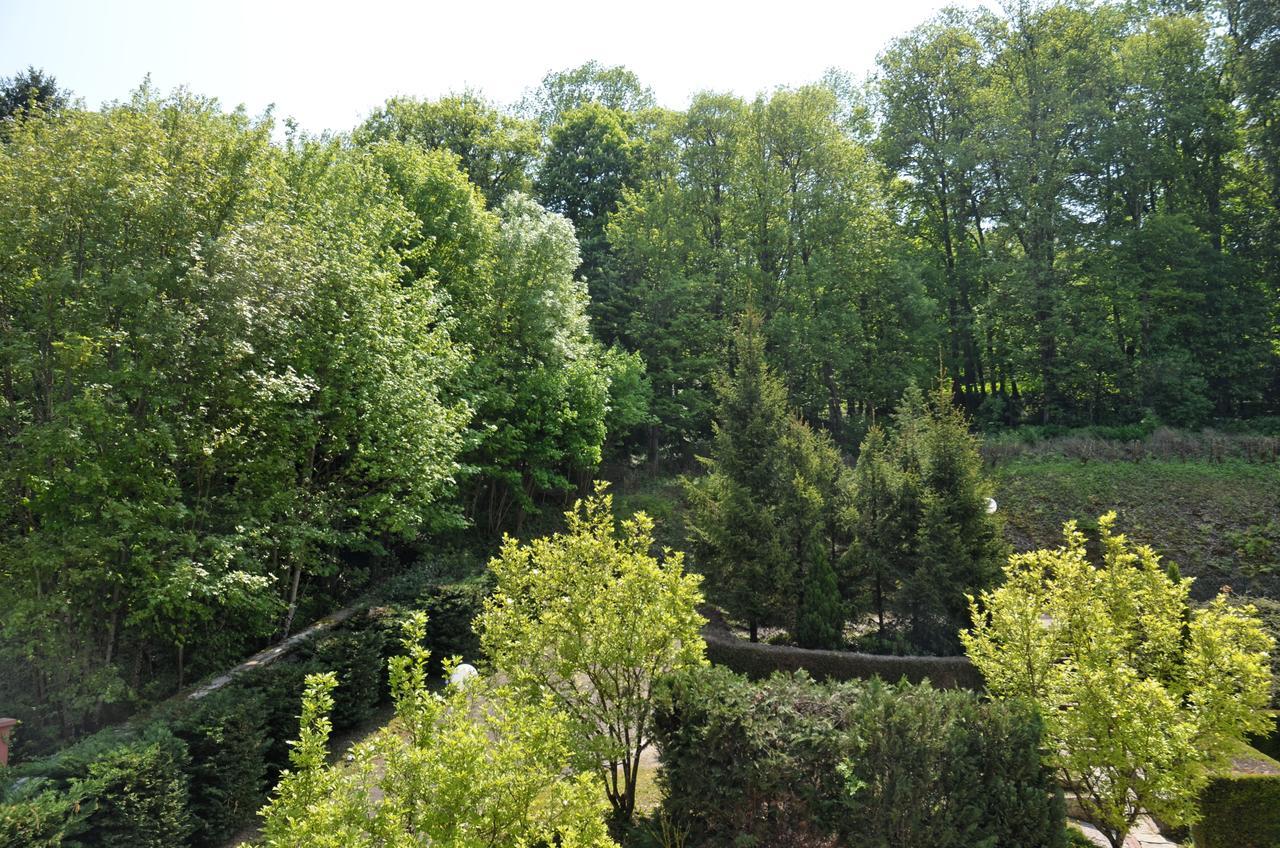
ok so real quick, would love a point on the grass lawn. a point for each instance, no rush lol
(1219, 522)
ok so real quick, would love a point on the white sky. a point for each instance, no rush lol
(329, 64)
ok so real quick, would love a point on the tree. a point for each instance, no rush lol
(30, 89)
(879, 552)
(921, 536)
(495, 149)
(613, 87)
(590, 619)
(734, 528)
(959, 546)
(590, 160)
(1139, 692)
(820, 622)
(772, 496)
(474, 767)
(213, 383)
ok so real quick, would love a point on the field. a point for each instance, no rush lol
(1217, 521)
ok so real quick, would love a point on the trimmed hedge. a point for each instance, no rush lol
(790, 761)
(1240, 811)
(757, 661)
(192, 772)
(227, 736)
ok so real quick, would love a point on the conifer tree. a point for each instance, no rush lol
(735, 509)
(820, 623)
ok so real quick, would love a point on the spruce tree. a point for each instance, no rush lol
(734, 510)
(820, 623)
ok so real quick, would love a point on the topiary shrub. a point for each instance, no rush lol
(227, 737)
(857, 764)
(758, 661)
(1239, 811)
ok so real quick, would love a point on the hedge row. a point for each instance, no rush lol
(1240, 811)
(193, 772)
(791, 761)
(757, 661)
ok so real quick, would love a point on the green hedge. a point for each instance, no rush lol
(1240, 811)
(758, 661)
(227, 737)
(868, 764)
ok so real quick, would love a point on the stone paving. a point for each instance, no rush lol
(1143, 835)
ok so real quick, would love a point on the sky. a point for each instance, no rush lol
(328, 65)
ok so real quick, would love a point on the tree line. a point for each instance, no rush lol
(237, 371)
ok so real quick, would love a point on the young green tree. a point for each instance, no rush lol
(735, 528)
(878, 553)
(1139, 691)
(588, 619)
(820, 621)
(474, 767)
(958, 546)
(774, 490)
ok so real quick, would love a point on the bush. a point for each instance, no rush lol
(1239, 811)
(37, 816)
(142, 793)
(758, 661)
(227, 736)
(279, 687)
(355, 656)
(791, 761)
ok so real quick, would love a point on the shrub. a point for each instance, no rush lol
(355, 656)
(1239, 811)
(142, 793)
(280, 687)
(793, 761)
(227, 736)
(37, 816)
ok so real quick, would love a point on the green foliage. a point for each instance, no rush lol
(37, 816)
(1156, 690)
(141, 792)
(771, 496)
(1240, 811)
(28, 90)
(467, 768)
(590, 160)
(494, 149)
(228, 387)
(227, 738)
(355, 658)
(820, 621)
(921, 534)
(590, 618)
(850, 764)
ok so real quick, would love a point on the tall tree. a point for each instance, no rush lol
(496, 150)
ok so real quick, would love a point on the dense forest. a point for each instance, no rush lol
(245, 369)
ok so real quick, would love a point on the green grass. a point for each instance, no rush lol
(1219, 522)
